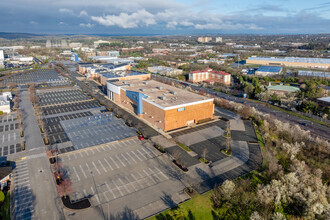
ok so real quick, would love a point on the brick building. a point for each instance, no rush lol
(210, 76)
(165, 106)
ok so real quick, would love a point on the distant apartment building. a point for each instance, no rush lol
(210, 76)
(164, 106)
(268, 70)
(204, 39)
(300, 62)
(165, 71)
(132, 49)
(75, 45)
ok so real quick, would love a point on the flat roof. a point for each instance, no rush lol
(283, 88)
(156, 91)
(272, 69)
(292, 59)
(117, 74)
(325, 99)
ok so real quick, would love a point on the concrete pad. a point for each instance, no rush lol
(237, 124)
(200, 135)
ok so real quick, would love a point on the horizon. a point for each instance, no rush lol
(173, 17)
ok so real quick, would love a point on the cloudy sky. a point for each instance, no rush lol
(165, 16)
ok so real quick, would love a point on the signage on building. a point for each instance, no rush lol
(181, 109)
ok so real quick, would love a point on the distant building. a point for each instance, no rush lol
(165, 71)
(75, 57)
(210, 76)
(204, 39)
(218, 39)
(164, 106)
(97, 43)
(75, 45)
(5, 175)
(301, 62)
(2, 56)
(314, 74)
(325, 101)
(268, 70)
(281, 89)
(108, 53)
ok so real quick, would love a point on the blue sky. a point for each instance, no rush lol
(165, 16)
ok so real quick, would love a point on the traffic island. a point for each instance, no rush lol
(82, 204)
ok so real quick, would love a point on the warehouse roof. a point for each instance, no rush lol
(161, 94)
(116, 74)
(293, 59)
(283, 88)
(271, 69)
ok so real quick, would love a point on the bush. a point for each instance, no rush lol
(5, 208)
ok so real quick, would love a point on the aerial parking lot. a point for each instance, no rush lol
(10, 139)
(62, 96)
(70, 107)
(128, 173)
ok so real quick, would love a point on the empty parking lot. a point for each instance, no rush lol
(62, 96)
(123, 172)
(10, 140)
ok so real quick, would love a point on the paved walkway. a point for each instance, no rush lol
(32, 133)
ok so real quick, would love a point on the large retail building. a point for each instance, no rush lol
(302, 62)
(165, 106)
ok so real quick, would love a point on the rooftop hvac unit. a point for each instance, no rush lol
(159, 87)
(174, 92)
(162, 98)
(129, 84)
(146, 83)
(143, 90)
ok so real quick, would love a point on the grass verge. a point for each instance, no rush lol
(184, 147)
(200, 207)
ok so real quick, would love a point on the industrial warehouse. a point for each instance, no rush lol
(302, 62)
(165, 106)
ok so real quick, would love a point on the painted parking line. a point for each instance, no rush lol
(104, 195)
(120, 161)
(81, 154)
(110, 190)
(133, 152)
(161, 173)
(147, 152)
(85, 193)
(131, 183)
(96, 168)
(74, 169)
(142, 154)
(102, 166)
(155, 175)
(82, 170)
(103, 148)
(86, 152)
(136, 180)
(92, 150)
(124, 185)
(123, 155)
(108, 163)
(96, 196)
(131, 157)
(149, 176)
(141, 176)
(121, 193)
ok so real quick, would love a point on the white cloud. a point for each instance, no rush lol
(61, 23)
(83, 13)
(124, 20)
(171, 24)
(34, 22)
(65, 10)
(186, 23)
(88, 25)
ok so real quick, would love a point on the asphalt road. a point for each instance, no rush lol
(316, 129)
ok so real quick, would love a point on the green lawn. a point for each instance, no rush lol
(200, 207)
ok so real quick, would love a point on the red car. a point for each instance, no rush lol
(141, 137)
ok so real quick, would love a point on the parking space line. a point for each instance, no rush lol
(143, 178)
(155, 174)
(82, 170)
(104, 195)
(85, 193)
(121, 193)
(91, 149)
(86, 151)
(81, 154)
(102, 166)
(103, 148)
(98, 150)
(147, 152)
(149, 176)
(96, 168)
(131, 183)
(125, 158)
(75, 156)
(74, 169)
(110, 190)
(131, 157)
(69, 156)
(108, 163)
(159, 171)
(133, 152)
(96, 196)
(124, 185)
(120, 161)
(142, 154)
